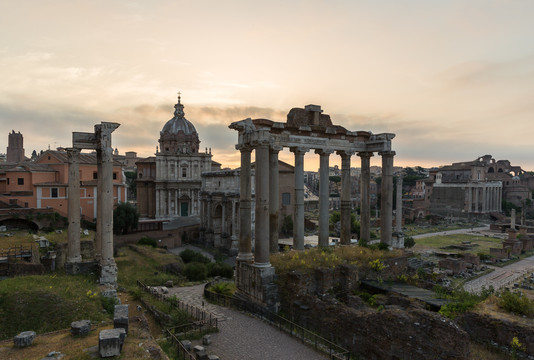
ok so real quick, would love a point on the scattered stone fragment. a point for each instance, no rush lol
(206, 340)
(120, 317)
(24, 339)
(110, 342)
(80, 328)
(186, 344)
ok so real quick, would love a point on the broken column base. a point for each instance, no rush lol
(108, 273)
(397, 240)
(257, 284)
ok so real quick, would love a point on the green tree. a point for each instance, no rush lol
(131, 182)
(125, 218)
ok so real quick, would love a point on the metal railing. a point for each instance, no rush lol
(308, 337)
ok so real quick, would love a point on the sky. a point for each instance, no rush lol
(453, 79)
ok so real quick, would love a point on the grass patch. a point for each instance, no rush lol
(439, 241)
(461, 301)
(46, 303)
(223, 288)
(310, 259)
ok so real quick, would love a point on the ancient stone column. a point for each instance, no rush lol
(274, 205)
(245, 199)
(365, 196)
(398, 213)
(386, 197)
(512, 219)
(476, 199)
(261, 244)
(324, 195)
(298, 220)
(233, 220)
(108, 268)
(73, 252)
(469, 199)
(484, 199)
(98, 195)
(345, 198)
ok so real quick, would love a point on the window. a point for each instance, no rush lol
(286, 199)
(184, 172)
(114, 176)
(95, 175)
(20, 181)
(8, 181)
(53, 192)
(140, 175)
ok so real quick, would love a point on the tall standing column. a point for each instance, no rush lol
(469, 199)
(398, 212)
(365, 196)
(298, 220)
(73, 252)
(98, 238)
(261, 244)
(387, 197)
(324, 190)
(245, 199)
(274, 206)
(476, 199)
(484, 199)
(345, 198)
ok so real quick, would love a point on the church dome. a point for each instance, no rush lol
(179, 122)
(179, 135)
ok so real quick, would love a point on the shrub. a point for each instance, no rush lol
(195, 271)
(460, 301)
(223, 288)
(515, 302)
(409, 242)
(108, 304)
(145, 240)
(383, 246)
(220, 269)
(189, 255)
(287, 225)
(125, 218)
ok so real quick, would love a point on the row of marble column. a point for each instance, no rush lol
(484, 199)
(267, 209)
(172, 170)
(165, 198)
(104, 202)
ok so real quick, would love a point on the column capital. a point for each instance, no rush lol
(324, 151)
(387, 153)
(73, 154)
(244, 147)
(366, 154)
(345, 153)
(299, 150)
(276, 148)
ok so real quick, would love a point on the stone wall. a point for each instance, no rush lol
(487, 329)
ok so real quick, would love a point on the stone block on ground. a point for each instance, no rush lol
(169, 284)
(80, 328)
(164, 290)
(201, 355)
(187, 344)
(54, 355)
(213, 357)
(206, 340)
(24, 339)
(198, 348)
(110, 342)
(120, 317)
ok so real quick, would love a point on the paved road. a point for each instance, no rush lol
(242, 336)
(453, 232)
(502, 277)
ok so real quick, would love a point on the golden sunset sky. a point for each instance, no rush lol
(453, 79)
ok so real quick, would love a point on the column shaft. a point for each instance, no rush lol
(298, 220)
(365, 196)
(345, 235)
(107, 204)
(324, 191)
(98, 238)
(245, 199)
(274, 206)
(386, 197)
(261, 244)
(73, 251)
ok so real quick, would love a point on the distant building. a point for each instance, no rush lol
(44, 183)
(168, 185)
(15, 147)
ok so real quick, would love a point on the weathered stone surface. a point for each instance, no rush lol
(54, 355)
(213, 357)
(120, 317)
(412, 334)
(201, 355)
(186, 344)
(80, 328)
(206, 340)
(24, 339)
(489, 329)
(169, 284)
(198, 348)
(110, 342)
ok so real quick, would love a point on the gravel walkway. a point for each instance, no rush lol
(242, 336)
